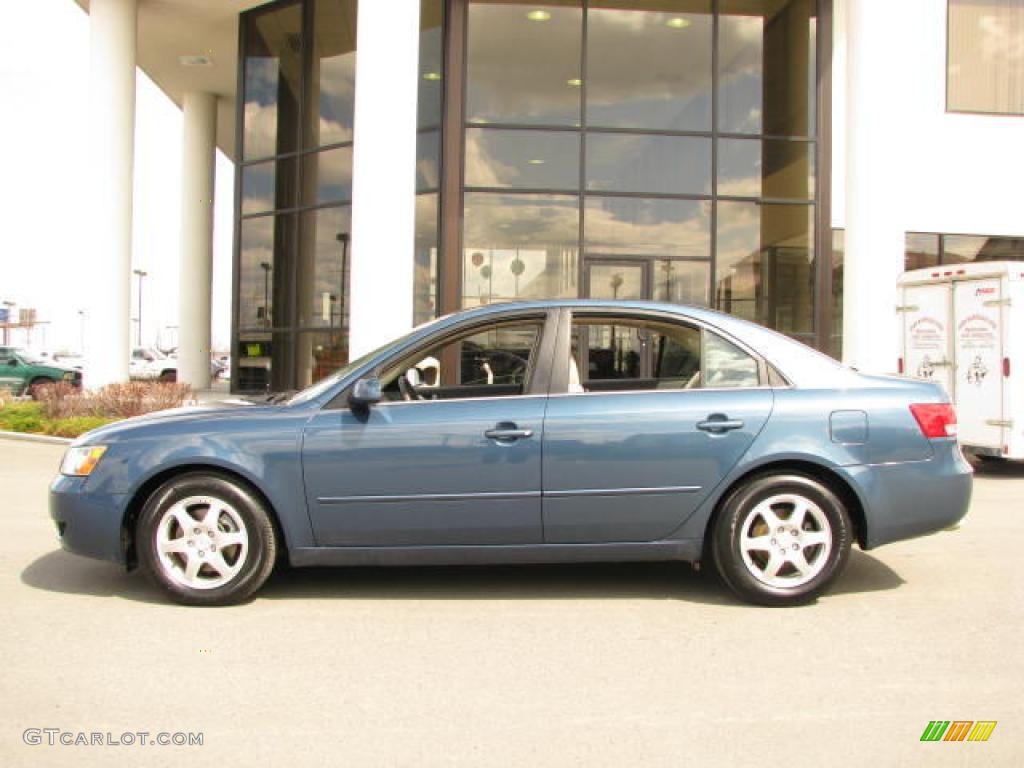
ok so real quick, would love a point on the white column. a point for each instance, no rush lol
(383, 172)
(874, 240)
(196, 263)
(112, 33)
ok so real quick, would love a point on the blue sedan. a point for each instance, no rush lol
(556, 431)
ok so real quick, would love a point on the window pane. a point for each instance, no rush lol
(959, 248)
(522, 159)
(523, 62)
(490, 363)
(327, 176)
(519, 246)
(628, 356)
(726, 365)
(922, 250)
(318, 355)
(985, 56)
(428, 102)
(332, 79)
(768, 168)
(324, 267)
(428, 160)
(648, 68)
(265, 279)
(615, 280)
(273, 61)
(652, 164)
(838, 251)
(765, 266)
(641, 226)
(268, 186)
(767, 67)
(261, 361)
(425, 256)
(681, 282)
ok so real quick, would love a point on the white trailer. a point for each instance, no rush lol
(963, 327)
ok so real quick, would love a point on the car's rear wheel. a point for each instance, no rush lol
(206, 539)
(168, 376)
(780, 539)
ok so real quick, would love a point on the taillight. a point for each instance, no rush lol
(899, 366)
(935, 419)
(1006, 367)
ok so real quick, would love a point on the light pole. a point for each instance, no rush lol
(343, 238)
(265, 266)
(81, 332)
(7, 329)
(141, 274)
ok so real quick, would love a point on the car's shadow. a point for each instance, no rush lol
(997, 468)
(61, 572)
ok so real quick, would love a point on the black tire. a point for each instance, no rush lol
(168, 376)
(825, 519)
(251, 562)
(39, 381)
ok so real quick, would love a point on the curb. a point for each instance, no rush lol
(28, 437)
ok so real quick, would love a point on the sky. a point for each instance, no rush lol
(45, 254)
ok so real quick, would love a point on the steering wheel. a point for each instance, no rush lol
(408, 383)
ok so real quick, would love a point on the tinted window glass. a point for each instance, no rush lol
(489, 363)
(726, 365)
(631, 355)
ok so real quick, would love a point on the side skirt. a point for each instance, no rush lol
(687, 550)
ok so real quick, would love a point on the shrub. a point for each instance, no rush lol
(75, 425)
(114, 401)
(21, 417)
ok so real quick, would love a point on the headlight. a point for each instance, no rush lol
(81, 460)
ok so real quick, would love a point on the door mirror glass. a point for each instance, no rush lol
(365, 393)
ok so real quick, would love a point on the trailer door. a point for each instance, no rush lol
(926, 334)
(978, 388)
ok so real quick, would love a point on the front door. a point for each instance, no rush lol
(451, 456)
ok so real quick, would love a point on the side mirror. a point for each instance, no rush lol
(365, 393)
(13, 362)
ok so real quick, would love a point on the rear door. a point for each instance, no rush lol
(978, 316)
(656, 416)
(927, 350)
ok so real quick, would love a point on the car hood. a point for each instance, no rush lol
(139, 425)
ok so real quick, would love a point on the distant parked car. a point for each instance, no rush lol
(21, 371)
(556, 431)
(149, 364)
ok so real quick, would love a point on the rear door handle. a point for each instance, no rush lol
(506, 432)
(719, 423)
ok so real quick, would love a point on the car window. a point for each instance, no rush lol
(493, 362)
(631, 355)
(726, 365)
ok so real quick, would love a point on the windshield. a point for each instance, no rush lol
(30, 357)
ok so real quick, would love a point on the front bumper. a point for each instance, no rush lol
(915, 498)
(88, 523)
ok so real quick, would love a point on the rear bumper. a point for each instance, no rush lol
(915, 498)
(88, 523)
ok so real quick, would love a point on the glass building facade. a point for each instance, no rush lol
(664, 149)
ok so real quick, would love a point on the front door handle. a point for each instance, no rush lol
(718, 424)
(507, 432)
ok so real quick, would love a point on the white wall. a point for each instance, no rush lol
(960, 173)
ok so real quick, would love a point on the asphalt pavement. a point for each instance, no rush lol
(646, 664)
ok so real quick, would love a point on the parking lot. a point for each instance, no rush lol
(649, 664)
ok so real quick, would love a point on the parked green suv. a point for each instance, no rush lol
(21, 370)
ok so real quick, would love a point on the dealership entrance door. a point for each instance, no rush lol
(679, 281)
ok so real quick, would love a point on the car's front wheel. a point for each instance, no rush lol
(206, 539)
(780, 539)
